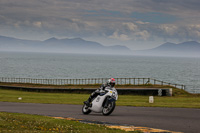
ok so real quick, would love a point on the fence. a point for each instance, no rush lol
(119, 81)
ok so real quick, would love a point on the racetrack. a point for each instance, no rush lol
(173, 119)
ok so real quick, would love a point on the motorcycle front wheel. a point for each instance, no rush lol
(109, 109)
(85, 109)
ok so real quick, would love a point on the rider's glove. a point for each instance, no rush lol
(103, 87)
(102, 91)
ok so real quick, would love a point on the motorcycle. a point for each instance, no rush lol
(103, 103)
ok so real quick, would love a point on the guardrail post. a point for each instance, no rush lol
(138, 81)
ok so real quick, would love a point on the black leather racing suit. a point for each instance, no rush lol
(96, 93)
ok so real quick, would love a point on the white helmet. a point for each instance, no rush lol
(111, 82)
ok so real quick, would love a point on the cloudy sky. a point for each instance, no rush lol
(137, 24)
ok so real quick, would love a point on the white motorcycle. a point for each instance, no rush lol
(103, 103)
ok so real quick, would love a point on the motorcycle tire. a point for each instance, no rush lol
(109, 109)
(85, 110)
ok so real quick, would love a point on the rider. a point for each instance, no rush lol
(109, 83)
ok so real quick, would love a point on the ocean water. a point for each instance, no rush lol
(177, 70)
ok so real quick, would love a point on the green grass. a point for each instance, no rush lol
(36, 97)
(14, 122)
(176, 102)
(181, 99)
(23, 123)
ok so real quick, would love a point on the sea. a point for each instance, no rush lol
(177, 70)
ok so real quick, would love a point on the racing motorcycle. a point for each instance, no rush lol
(103, 103)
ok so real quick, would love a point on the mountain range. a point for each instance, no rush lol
(74, 45)
(185, 49)
(79, 45)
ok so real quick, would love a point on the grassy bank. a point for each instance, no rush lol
(15, 122)
(181, 99)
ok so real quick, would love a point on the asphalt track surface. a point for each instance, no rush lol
(173, 119)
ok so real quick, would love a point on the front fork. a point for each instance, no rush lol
(107, 101)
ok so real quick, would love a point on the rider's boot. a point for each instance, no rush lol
(88, 102)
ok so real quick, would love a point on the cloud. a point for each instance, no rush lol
(154, 17)
(169, 29)
(131, 26)
(143, 35)
(118, 36)
(194, 31)
(117, 20)
(130, 31)
(140, 22)
(37, 24)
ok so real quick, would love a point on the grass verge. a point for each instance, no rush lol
(180, 100)
(15, 122)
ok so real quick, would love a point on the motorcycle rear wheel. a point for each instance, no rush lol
(85, 109)
(109, 109)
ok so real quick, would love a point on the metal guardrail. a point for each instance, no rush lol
(89, 81)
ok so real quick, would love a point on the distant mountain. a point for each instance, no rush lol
(185, 49)
(185, 46)
(75, 45)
